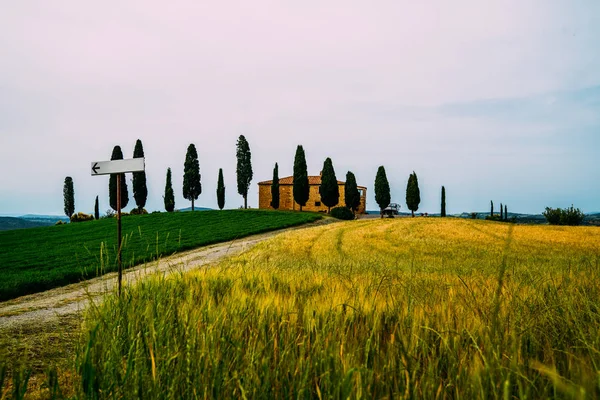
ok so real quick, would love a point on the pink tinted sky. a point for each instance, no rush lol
(495, 100)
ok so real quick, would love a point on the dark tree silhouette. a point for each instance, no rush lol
(443, 212)
(69, 197)
(301, 188)
(382, 190)
(275, 188)
(140, 190)
(413, 194)
(169, 196)
(192, 188)
(220, 190)
(117, 154)
(351, 193)
(329, 189)
(244, 168)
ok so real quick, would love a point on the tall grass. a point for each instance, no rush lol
(378, 309)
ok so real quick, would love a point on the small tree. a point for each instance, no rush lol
(443, 212)
(96, 209)
(69, 197)
(244, 168)
(192, 188)
(505, 213)
(301, 188)
(275, 188)
(382, 190)
(117, 154)
(413, 194)
(329, 189)
(492, 208)
(501, 212)
(169, 196)
(351, 193)
(220, 190)
(140, 190)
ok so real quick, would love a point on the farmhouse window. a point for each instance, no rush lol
(317, 204)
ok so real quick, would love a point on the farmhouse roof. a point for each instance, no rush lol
(312, 180)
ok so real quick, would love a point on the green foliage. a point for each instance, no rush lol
(243, 168)
(491, 208)
(220, 190)
(69, 197)
(342, 213)
(443, 212)
(329, 189)
(81, 217)
(192, 188)
(501, 212)
(96, 209)
(505, 213)
(169, 197)
(301, 188)
(140, 190)
(37, 259)
(275, 188)
(59, 222)
(569, 216)
(413, 194)
(351, 194)
(382, 189)
(138, 211)
(494, 217)
(117, 154)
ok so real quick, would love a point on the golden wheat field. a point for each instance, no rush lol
(393, 308)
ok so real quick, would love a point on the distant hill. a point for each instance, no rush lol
(195, 209)
(44, 218)
(8, 223)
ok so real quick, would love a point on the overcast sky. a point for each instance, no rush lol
(496, 100)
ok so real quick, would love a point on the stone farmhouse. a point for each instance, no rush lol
(286, 195)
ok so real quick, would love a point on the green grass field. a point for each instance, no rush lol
(38, 259)
(404, 308)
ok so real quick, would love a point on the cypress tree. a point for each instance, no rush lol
(413, 194)
(443, 213)
(117, 154)
(382, 190)
(140, 190)
(169, 196)
(96, 209)
(69, 197)
(505, 213)
(301, 188)
(501, 212)
(220, 190)
(351, 194)
(192, 188)
(275, 188)
(244, 168)
(329, 189)
(492, 208)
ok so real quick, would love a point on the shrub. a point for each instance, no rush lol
(81, 217)
(137, 211)
(342, 213)
(570, 216)
(110, 213)
(495, 217)
(59, 222)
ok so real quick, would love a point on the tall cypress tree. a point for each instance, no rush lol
(382, 190)
(69, 197)
(443, 213)
(329, 189)
(501, 212)
(117, 154)
(492, 208)
(220, 190)
(140, 190)
(275, 188)
(301, 188)
(96, 209)
(413, 194)
(351, 194)
(505, 213)
(244, 168)
(169, 196)
(192, 188)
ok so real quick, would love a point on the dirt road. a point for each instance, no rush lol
(52, 305)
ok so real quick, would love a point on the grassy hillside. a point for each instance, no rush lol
(37, 259)
(403, 308)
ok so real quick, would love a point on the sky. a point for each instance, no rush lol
(496, 100)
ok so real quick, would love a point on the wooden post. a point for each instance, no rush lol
(119, 231)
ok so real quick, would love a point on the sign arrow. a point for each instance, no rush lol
(95, 168)
(118, 166)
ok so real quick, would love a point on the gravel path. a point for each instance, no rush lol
(51, 305)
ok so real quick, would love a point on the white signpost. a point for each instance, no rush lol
(118, 167)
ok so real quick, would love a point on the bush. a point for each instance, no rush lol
(59, 222)
(138, 211)
(342, 213)
(495, 217)
(81, 217)
(570, 216)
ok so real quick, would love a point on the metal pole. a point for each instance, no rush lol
(119, 230)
